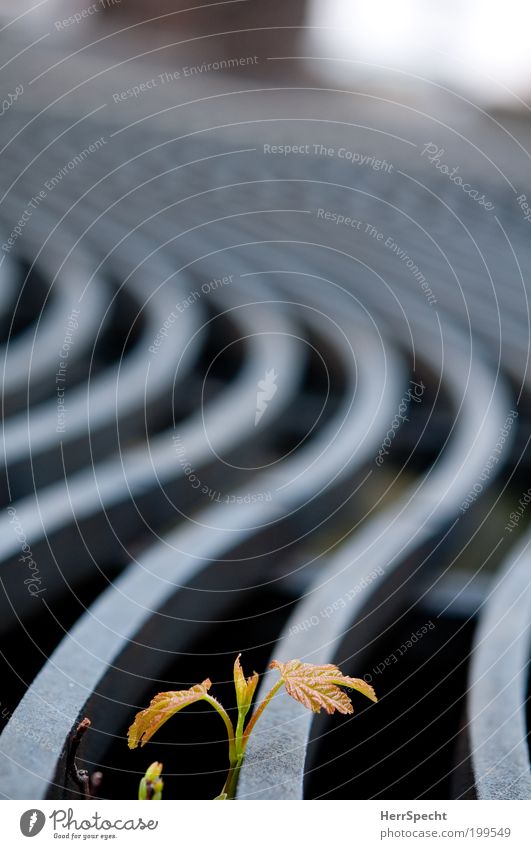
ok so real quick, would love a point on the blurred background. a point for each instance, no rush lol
(264, 328)
(476, 47)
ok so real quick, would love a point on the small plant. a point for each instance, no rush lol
(315, 687)
(152, 785)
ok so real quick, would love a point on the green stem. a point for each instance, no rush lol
(258, 713)
(234, 772)
(238, 741)
(236, 748)
(242, 738)
(232, 778)
(242, 713)
(228, 724)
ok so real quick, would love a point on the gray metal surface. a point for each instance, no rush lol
(499, 685)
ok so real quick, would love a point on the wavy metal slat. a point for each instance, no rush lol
(114, 401)
(498, 682)
(143, 472)
(352, 436)
(31, 359)
(275, 762)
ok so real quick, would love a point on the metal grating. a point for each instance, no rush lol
(175, 271)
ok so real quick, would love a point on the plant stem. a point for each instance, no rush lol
(241, 740)
(228, 724)
(238, 741)
(258, 713)
(232, 778)
(234, 760)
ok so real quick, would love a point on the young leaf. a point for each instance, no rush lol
(317, 687)
(161, 708)
(244, 687)
(152, 785)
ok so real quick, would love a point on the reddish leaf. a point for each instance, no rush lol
(318, 687)
(161, 708)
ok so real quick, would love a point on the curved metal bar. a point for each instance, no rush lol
(143, 472)
(115, 400)
(498, 681)
(374, 382)
(275, 763)
(31, 359)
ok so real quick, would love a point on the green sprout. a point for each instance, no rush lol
(315, 687)
(152, 785)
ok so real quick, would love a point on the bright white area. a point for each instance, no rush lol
(478, 47)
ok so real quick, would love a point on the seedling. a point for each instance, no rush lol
(152, 785)
(316, 687)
